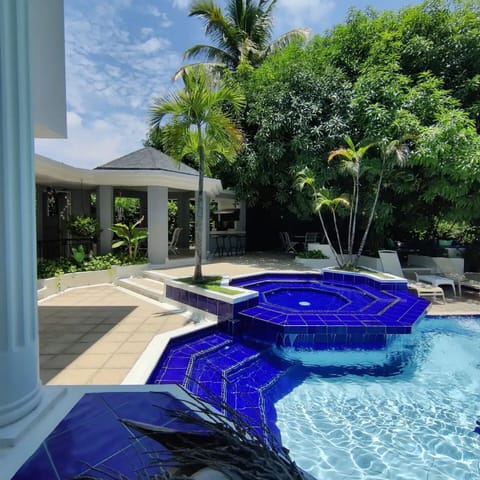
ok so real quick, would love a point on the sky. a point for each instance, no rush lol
(120, 55)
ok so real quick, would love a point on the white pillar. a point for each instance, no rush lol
(105, 217)
(157, 225)
(19, 360)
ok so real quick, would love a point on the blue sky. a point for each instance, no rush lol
(121, 54)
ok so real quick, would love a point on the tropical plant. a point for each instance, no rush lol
(351, 161)
(83, 226)
(324, 198)
(200, 124)
(79, 254)
(241, 34)
(130, 236)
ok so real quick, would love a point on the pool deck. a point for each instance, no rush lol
(94, 335)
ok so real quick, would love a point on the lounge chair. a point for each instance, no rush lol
(172, 245)
(391, 264)
(471, 281)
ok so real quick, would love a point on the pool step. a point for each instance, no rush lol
(144, 286)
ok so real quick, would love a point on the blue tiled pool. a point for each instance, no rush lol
(243, 362)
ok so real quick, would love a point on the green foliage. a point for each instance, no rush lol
(130, 237)
(241, 33)
(379, 76)
(314, 254)
(83, 226)
(127, 209)
(79, 254)
(52, 268)
(200, 123)
(212, 283)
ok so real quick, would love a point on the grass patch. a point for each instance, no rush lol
(363, 270)
(211, 283)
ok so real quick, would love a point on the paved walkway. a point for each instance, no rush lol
(94, 335)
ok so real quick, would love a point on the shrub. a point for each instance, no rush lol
(314, 254)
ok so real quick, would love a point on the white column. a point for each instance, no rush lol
(105, 217)
(157, 225)
(19, 361)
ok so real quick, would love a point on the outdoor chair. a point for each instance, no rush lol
(288, 245)
(172, 245)
(436, 281)
(310, 237)
(391, 264)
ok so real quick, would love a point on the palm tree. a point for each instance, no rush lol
(351, 158)
(324, 198)
(199, 124)
(391, 153)
(240, 35)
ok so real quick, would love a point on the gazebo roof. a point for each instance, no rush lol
(148, 159)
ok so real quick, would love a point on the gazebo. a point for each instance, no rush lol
(146, 174)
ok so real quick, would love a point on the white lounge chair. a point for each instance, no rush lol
(391, 264)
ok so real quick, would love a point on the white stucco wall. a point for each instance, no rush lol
(47, 55)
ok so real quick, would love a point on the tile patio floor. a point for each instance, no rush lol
(94, 335)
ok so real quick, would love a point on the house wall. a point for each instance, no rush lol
(47, 46)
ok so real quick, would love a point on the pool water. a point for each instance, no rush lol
(415, 423)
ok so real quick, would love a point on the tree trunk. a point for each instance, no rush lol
(197, 274)
(328, 238)
(370, 220)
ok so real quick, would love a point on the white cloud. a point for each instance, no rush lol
(312, 14)
(182, 4)
(153, 45)
(165, 22)
(92, 144)
(114, 69)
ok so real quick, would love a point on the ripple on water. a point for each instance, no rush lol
(414, 426)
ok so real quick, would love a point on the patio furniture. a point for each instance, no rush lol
(288, 245)
(471, 281)
(172, 245)
(310, 237)
(391, 264)
(436, 281)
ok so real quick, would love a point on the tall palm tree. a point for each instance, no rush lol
(242, 34)
(393, 152)
(199, 123)
(351, 161)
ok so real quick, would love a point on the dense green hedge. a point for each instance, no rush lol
(51, 268)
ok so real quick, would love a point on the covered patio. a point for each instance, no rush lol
(147, 175)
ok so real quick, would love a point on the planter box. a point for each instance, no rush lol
(125, 271)
(225, 307)
(50, 286)
(316, 263)
(80, 279)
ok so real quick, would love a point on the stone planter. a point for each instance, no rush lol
(80, 279)
(316, 263)
(125, 271)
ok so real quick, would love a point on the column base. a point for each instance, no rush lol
(12, 434)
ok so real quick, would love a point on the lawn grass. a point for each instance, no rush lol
(211, 283)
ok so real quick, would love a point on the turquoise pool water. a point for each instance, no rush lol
(413, 422)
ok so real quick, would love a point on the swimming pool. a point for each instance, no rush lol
(402, 393)
(414, 422)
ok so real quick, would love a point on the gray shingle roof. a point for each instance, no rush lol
(148, 159)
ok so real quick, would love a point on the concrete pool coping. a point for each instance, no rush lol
(78, 349)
